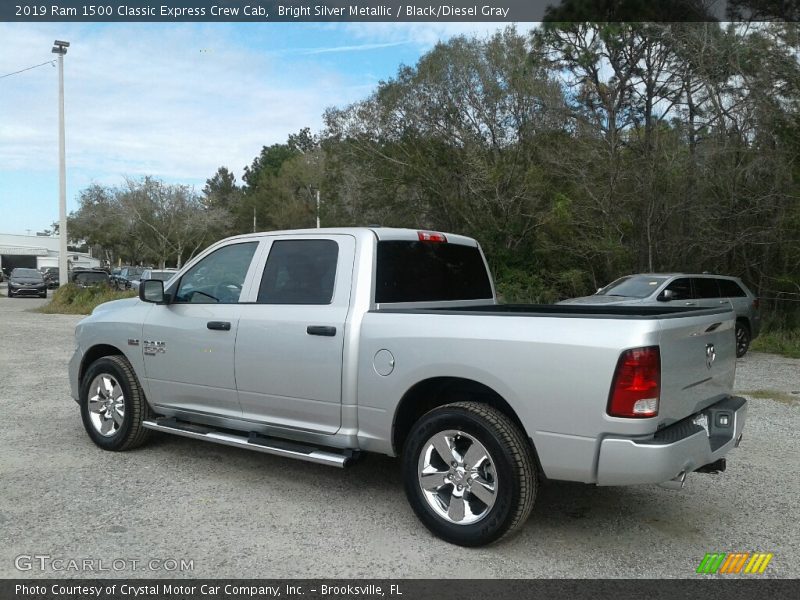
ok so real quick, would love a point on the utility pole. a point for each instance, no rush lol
(60, 48)
(254, 219)
(317, 208)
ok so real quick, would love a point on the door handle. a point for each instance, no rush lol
(689, 303)
(219, 325)
(321, 330)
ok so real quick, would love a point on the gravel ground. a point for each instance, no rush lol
(241, 514)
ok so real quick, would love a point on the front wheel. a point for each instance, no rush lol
(469, 473)
(113, 405)
(742, 339)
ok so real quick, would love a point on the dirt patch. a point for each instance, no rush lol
(782, 397)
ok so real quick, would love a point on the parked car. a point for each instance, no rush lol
(160, 274)
(696, 290)
(321, 344)
(86, 278)
(126, 275)
(26, 282)
(51, 276)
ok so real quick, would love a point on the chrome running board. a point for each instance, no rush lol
(253, 441)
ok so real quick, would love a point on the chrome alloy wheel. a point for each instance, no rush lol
(457, 477)
(106, 404)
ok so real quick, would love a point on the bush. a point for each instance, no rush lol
(779, 341)
(516, 286)
(74, 300)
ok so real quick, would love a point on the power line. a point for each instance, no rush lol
(49, 62)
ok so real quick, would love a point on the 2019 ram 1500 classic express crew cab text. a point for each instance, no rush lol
(320, 344)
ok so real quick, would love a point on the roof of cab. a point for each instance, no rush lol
(381, 233)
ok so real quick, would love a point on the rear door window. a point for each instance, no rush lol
(706, 287)
(299, 272)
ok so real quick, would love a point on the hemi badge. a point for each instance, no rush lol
(133, 342)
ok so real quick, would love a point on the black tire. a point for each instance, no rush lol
(43, 295)
(131, 433)
(743, 338)
(511, 459)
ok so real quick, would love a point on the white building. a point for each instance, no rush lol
(37, 251)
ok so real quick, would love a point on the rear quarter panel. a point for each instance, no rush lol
(554, 372)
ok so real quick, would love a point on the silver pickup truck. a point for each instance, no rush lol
(322, 344)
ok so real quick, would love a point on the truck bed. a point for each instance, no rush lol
(554, 370)
(566, 310)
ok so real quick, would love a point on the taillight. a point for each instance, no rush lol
(755, 303)
(431, 236)
(637, 384)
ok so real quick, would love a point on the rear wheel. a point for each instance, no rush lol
(742, 339)
(469, 473)
(113, 405)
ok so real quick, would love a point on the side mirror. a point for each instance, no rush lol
(152, 290)
(666, 296)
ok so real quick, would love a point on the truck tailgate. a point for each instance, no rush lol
(698, 363)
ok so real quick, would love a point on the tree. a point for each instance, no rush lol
(281, 184)
(447, 143)
(145, 220)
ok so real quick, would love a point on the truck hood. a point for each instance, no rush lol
(115, 305)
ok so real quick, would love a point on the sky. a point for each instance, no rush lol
(177, 101)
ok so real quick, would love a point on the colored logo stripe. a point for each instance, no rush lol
(759, 562)
(734, 562)
(711, 562)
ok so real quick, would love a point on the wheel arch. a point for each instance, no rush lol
(433, 392)
(95, 352)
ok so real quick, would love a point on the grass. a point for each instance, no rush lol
(73, 300)
(779, 341)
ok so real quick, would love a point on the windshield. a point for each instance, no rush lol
(633, 286)
(27, 273)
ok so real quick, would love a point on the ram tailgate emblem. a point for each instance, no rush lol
(711, 355)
